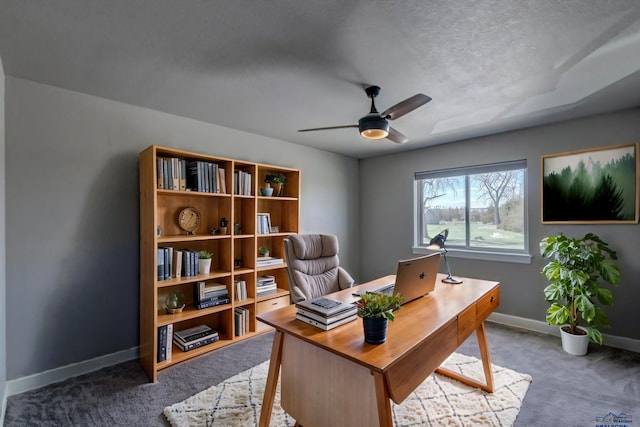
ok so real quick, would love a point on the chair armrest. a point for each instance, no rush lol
(344, 279)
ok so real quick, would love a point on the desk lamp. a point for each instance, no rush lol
(437, 243)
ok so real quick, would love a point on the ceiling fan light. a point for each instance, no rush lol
(372, 126)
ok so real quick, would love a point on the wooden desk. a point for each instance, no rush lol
(334, 378)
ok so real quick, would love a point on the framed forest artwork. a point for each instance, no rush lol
(597, 185)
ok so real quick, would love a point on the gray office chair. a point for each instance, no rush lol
(313, 266)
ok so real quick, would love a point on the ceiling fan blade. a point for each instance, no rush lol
(406, 106)
(329, 127)
(396, 136)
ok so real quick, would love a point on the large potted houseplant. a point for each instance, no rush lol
(376, 310)
(578, 269)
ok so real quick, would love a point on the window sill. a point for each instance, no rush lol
(481, 255)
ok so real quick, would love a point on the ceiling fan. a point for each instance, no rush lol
(376, 125)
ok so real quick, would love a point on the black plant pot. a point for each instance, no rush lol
(375, 329)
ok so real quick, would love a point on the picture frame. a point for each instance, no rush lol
(264, 223)
(597, 185)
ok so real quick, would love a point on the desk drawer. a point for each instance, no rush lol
(487, 304)
(273, 304)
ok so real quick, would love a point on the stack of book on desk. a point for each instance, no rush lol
(210, 294)
(195, 337)
(326, 313)
(266, 285)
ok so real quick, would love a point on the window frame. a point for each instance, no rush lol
(467, 251)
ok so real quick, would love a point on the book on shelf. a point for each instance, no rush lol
(211, 333)
(241, 321)
(189, 263)
(266, 290)
(267, 261)
(162, 343)
(242, 183)
(205, 177)
(193, 333)
(240, 289)
(177, 263)
(266, 280)
(325, 326)
(197, 343)
(169, 350)
(212, 302)
(165, 339)
(204, 290)
(160, 257)
(183, 175)
(328, 319)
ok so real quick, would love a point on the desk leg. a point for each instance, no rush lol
(486, 365)
(383, 402)
(272, 380)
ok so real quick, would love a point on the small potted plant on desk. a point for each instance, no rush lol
(204, 262)
(575, 272)
(263, 251)
(376, 310)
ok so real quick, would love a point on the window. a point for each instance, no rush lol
(484, 207)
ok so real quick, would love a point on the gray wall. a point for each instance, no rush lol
(386, 204)
(3, 320)
(72, 215)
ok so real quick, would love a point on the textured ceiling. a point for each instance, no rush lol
(272, 67)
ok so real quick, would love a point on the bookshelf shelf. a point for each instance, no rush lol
(230, 189)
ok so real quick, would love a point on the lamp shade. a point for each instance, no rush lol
(437, 244)
(438, 241)
(372, 126)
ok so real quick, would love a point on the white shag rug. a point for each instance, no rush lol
(438, 401)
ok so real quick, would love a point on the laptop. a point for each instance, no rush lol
(415, 278)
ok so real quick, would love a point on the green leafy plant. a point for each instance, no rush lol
(224, 221)
(204, 255)
(575, 273)
(275, 178)
(378, 305)
(263, 250)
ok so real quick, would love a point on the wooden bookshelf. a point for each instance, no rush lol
(234, 253)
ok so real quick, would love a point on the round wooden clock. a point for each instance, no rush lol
(189, 219)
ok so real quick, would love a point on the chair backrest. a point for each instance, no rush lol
(313, 266)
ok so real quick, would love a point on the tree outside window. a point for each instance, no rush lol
(483, 207)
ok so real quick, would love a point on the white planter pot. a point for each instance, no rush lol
(574, 344)
(204, 266)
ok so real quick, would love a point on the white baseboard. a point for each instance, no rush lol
(542, 327)
(31, 382)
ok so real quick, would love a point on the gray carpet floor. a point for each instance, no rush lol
(566, 390)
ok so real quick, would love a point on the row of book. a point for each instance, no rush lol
(325, 313)
(178, 174)
(264, 226)
(241, 321)
(206, 177)
(176, 263)
(210, 295)
(266, 285)
(185, 340)
(242, 183)
(241, 289)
